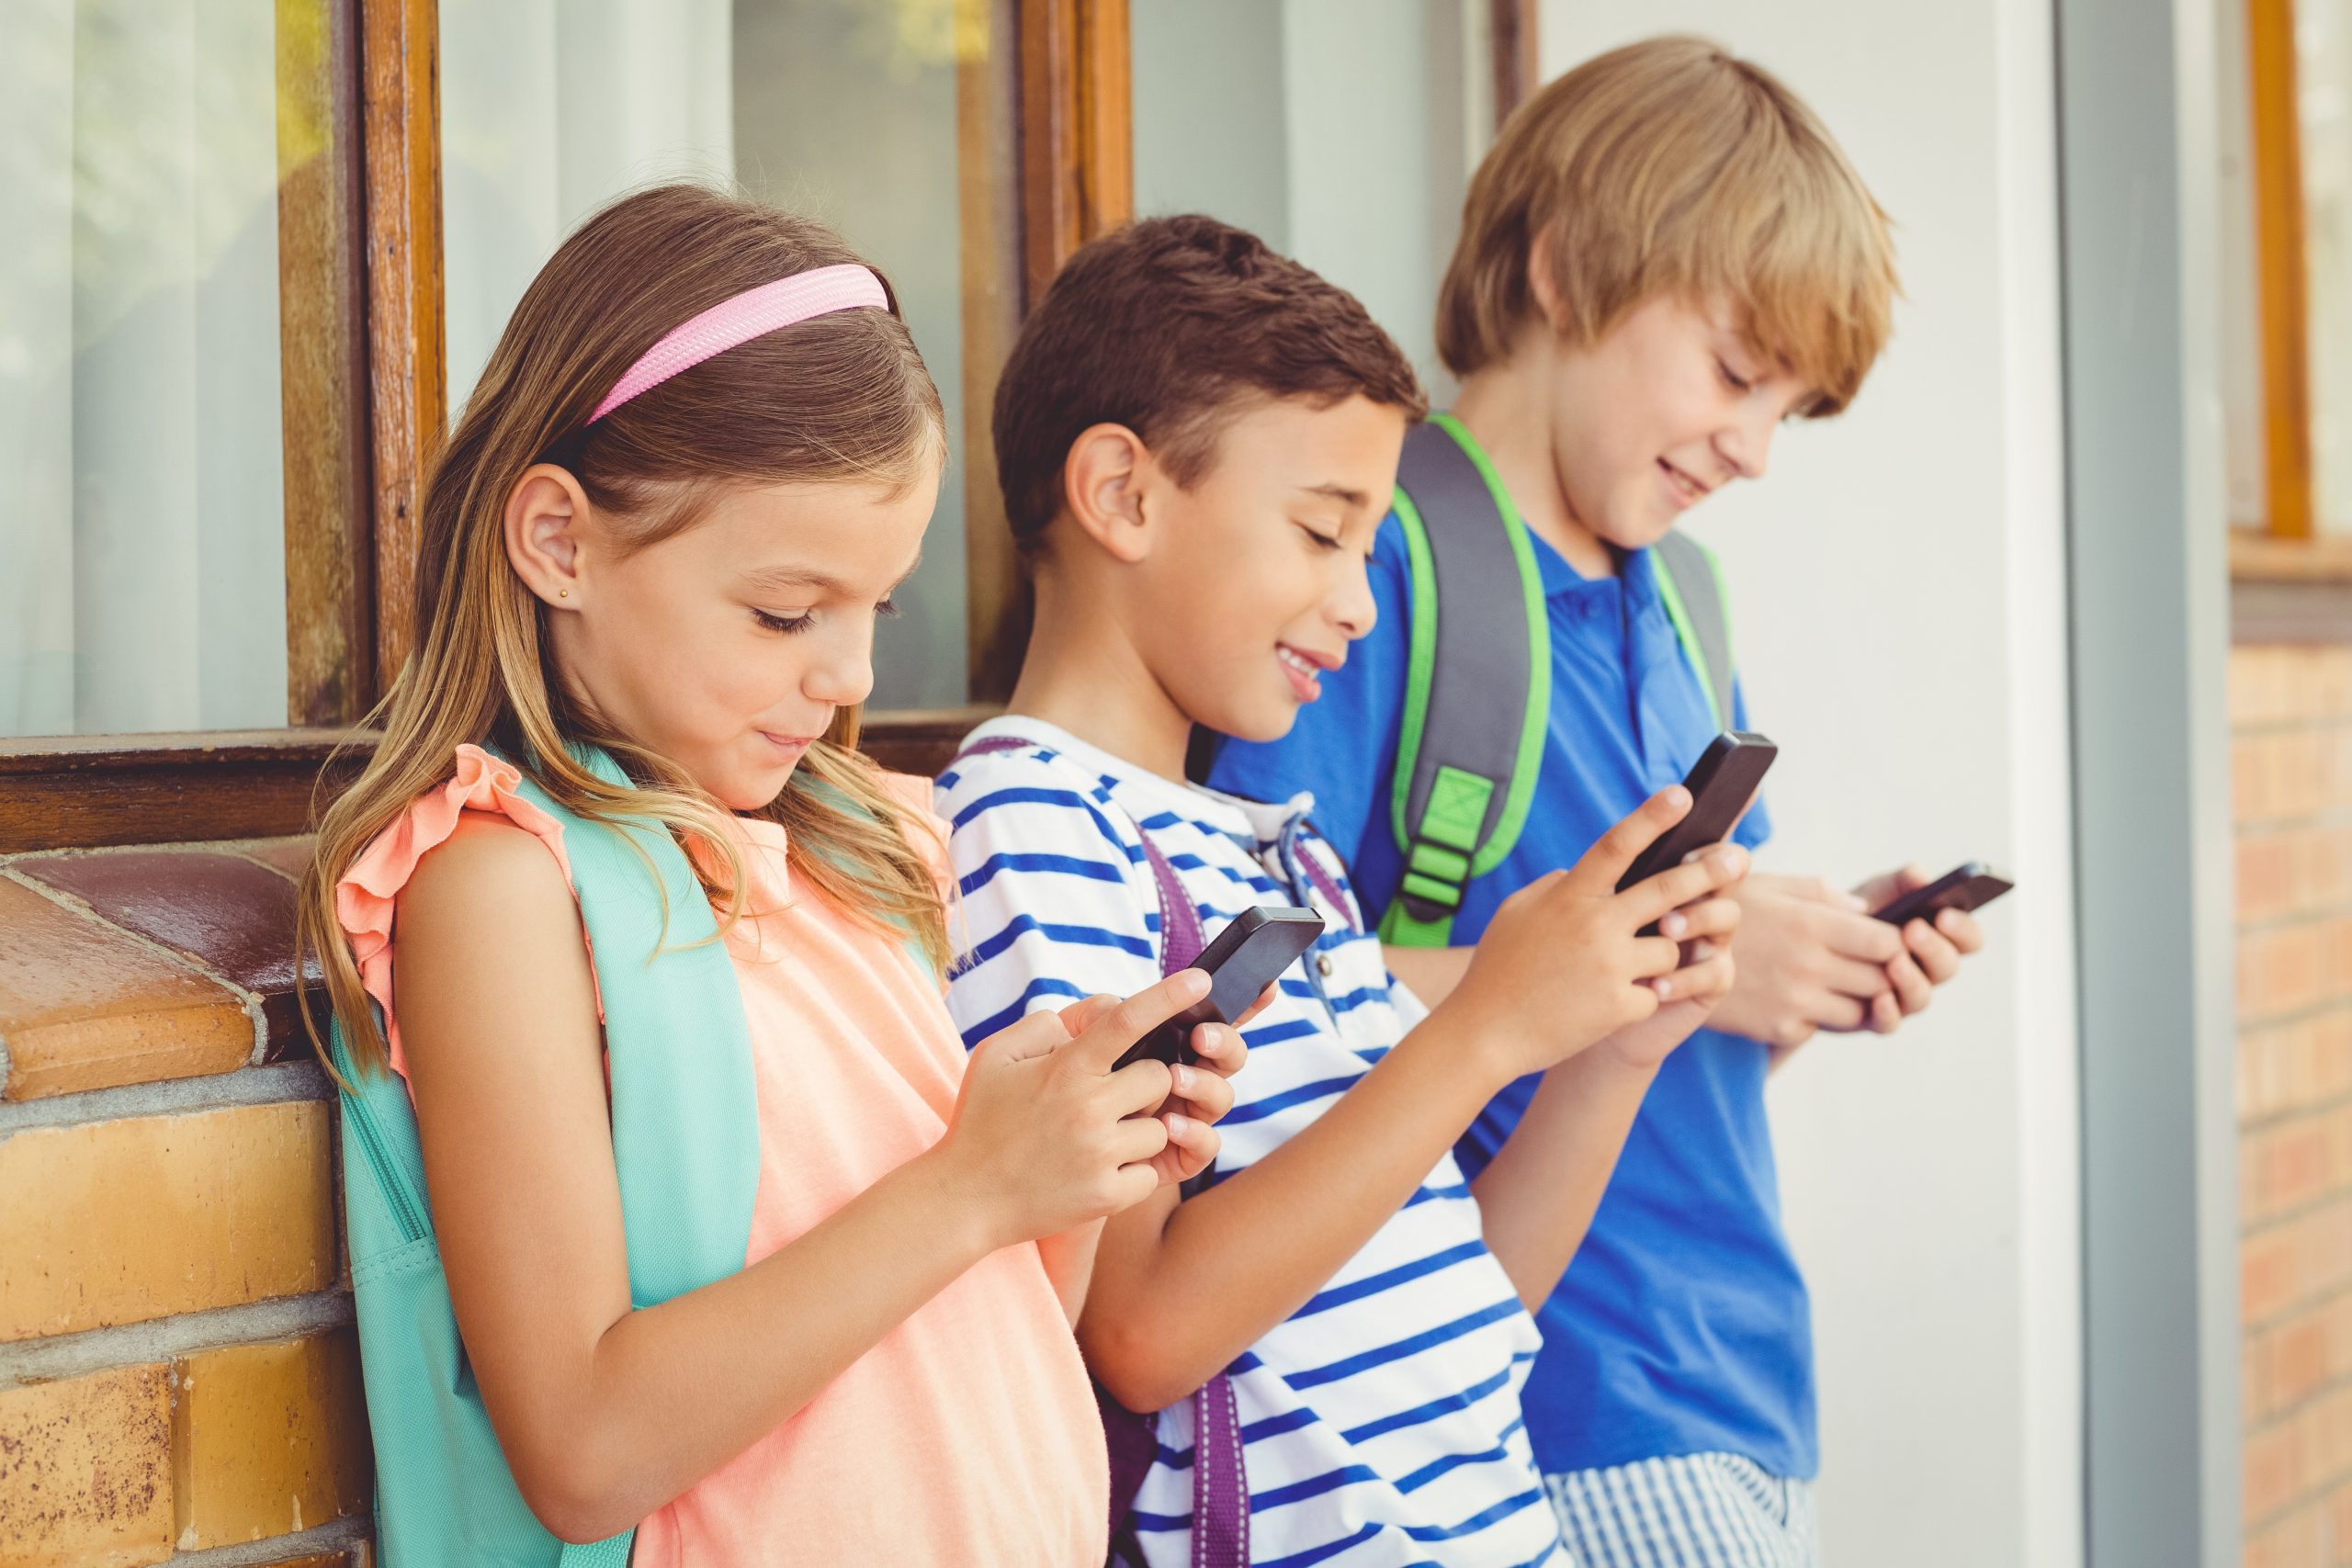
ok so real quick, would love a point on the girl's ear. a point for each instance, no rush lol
(543, 514)
(1104, 484)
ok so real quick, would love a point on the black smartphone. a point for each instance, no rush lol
(1243, 961)
(1971, 885)
(1720, 783)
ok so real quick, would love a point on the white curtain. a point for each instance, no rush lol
(141, 494)
(549, 109)
(841, 110)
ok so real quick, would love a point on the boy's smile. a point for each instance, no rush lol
(1302, 666)
(1672, 403)
(1221, 603)
(1255, 583)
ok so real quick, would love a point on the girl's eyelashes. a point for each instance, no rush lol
(806, 618)
(1322, 541)
(1731, 378)
(786, 624)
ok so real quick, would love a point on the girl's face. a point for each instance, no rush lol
(728, 647)
(1671, 404)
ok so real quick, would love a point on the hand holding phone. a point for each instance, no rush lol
(1722, 782)
(1246, 958)
(1967, 887)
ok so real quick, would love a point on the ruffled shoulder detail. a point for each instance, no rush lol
(365, 894)
(928, 830)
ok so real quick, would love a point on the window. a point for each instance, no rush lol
(855, 112)
(149, 195)
(2286, 167)
(224, 311)
(1007, 117)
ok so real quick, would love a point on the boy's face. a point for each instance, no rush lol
(1256, 577)
(1669, 405)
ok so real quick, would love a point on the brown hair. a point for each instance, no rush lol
(838, 397)
(1168, 326)
(1671, 165)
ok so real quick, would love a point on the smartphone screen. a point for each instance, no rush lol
(1970, 886)
(1245, 958)
(1722, 782)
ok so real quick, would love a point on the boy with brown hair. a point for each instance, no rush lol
(1197, 439)
(1663, 257)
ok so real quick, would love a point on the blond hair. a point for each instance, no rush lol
(1672, 166)
(840, 397)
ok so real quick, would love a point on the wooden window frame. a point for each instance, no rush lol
(2290, 581)
(361, 309)
(1511, 43)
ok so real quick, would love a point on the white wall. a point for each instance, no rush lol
(1898, 596)
(1343, 135)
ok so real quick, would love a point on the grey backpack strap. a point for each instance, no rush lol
(1694, 599)
(1477, 685)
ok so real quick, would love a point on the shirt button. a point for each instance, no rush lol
(1323, 964)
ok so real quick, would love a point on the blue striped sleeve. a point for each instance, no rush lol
(1055, 902)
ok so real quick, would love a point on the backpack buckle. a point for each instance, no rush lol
(1439, 865)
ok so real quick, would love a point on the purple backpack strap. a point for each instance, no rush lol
(1220, 1477)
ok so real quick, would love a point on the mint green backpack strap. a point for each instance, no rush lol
(678, 1048)
(1478, 679)
(1690, 582)
(419, 1445)
(685, 1144)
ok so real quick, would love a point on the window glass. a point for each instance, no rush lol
(2324, 107)
(846, 110)
(141, 491)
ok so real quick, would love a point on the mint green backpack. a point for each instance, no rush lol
(685, 1139)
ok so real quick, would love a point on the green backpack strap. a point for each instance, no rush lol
(1478, 681)
(1690, 582)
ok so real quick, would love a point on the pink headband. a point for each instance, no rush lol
(755, 312)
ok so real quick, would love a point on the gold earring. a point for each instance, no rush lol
(563, 593)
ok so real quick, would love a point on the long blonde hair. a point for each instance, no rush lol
(838, 397)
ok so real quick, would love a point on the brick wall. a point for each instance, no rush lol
(179, 1380)
(2290, 711)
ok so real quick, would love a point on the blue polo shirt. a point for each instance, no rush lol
(1682, 1324)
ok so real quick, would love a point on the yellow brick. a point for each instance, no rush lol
(268, 1439)
(2330, 685)
(2259, 680)
(152, 1215)
(85, 1472)
(2292, 1542)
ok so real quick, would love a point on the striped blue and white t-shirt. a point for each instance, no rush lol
(1382, 1421)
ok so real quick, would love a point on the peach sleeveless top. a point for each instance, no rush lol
(970, 1434)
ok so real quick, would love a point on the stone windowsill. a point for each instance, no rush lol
(134, 965)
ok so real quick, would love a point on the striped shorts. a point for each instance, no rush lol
(1693, 1511)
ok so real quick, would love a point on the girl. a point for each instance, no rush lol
(739, 1252)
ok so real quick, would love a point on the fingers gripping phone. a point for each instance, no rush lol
(1722, 782)
(1244, 960)
(1970, 886)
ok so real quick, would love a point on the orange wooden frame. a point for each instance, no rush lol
(2278, 248)
(408, 396)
